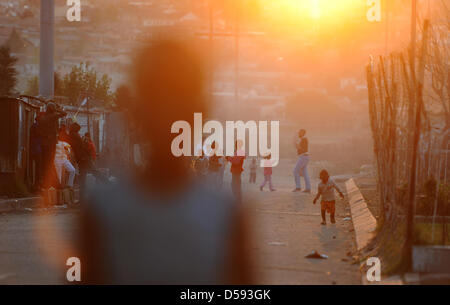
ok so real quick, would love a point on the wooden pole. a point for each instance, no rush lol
(412, 188)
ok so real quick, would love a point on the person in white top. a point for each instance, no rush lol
(62, 154)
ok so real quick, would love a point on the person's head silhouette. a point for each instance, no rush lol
(169, 86)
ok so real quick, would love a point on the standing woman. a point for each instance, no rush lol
(301, 167)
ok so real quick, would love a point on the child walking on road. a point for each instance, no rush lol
(326, 190)
(267, 174)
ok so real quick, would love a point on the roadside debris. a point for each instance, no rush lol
(317, 255)
(63, 206)
(355, 260)
(277, 243)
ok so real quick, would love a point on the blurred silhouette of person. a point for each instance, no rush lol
(162, 225)
(301, 167)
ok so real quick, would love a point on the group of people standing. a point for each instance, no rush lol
(213, 167)
(55, 150)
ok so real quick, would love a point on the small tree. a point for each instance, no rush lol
(82, 80)
(8, 73)
(33, 85)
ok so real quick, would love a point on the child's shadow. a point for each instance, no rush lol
(328, 237)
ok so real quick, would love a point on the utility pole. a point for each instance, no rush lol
(211, 52)
(46, 68)
(236, 56)
(236, 34)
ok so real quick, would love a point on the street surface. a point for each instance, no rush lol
(26, 237)
(285, 227)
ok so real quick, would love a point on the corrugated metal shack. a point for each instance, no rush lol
(17, 115)
(93, 120)
(16, 118)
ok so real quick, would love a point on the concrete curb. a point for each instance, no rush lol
(365, 225)
(18, 204)
(363, 221)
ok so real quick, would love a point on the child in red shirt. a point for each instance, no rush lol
(267, 174)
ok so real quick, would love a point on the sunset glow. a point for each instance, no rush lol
(209, 144)
(325, 10)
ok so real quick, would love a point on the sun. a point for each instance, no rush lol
(315, 9)
(324, 15)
